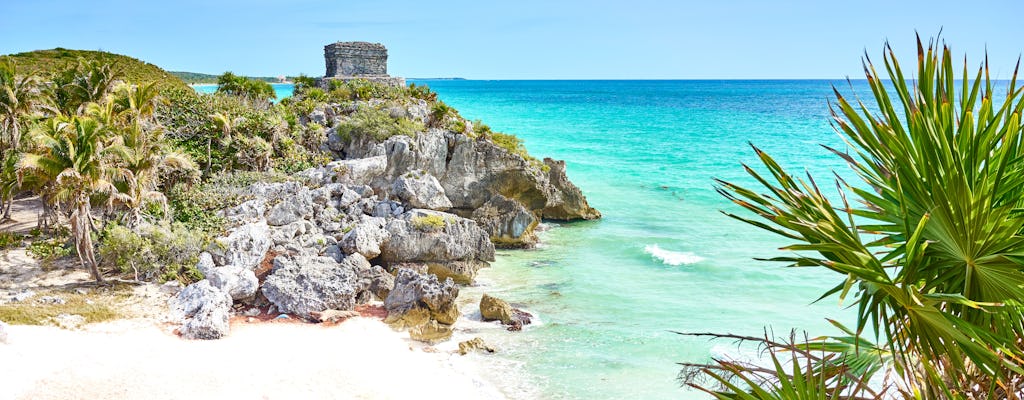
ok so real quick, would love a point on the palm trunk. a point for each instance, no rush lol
(82, 227)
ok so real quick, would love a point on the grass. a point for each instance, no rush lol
(10, 240)
(94, 307)
(428, 223)
(49, 62)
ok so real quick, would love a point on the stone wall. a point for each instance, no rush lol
(356, 59)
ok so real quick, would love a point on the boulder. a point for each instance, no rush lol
(3, 332)
(379, 280)
(360, 171)
(495, 309)
(240, 283)
(291, 210)
(203, 310)
(426, 235)
(508, 222)
(244, 247)
(366, 237)
(423, 305)
(475, 344)
(421, 190)
(302, 285)
(205, 263)
(247, 212)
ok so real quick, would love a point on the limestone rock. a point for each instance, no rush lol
(475, 344)
(205, 263)
(415, 239)
(495, 309)
(421, 190)
(461, 271)
(3, 332)
(359, 171)
(244, 247)
(303, 285)
(240, 283)
(247, 212)
(333, 315)
(291, 210)
(423, 305)
(366, 237)
(508, 222)
(204, 311)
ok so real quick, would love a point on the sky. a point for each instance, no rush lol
(524, 39)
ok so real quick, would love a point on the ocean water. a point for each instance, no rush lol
(609, 293)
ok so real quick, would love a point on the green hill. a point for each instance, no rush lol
(48, 62)
(196, 77)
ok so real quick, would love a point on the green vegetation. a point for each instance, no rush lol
(193, 78)
(428, 223)
(49, 63)
(156, 252)
(249, 89)
(50, 249)
(34, 313)
(10, 239)
(928, 245)
(377, 123)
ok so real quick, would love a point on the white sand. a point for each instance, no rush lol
(359, 359)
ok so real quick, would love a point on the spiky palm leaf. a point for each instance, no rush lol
(933, 253)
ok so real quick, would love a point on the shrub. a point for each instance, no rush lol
(511, 143)
(10, 239)
(50, 249)
(378, 124)
(422, 92)
(428, 223)
(158, 252)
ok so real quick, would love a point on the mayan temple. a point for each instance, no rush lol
(359, 60)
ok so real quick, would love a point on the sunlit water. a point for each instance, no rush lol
(608, 293)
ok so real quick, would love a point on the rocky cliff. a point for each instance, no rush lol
(401, 219)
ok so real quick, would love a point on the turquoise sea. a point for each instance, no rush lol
(608, 293)
(663, 258)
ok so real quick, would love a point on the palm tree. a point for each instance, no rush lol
(932, 248)
(20, 97)
(89, 81)
(72, 158)
(145, 157)
(226, 124)
(139, 101)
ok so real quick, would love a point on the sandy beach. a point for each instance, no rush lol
(360, 358)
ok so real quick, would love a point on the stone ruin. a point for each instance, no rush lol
(358, 60)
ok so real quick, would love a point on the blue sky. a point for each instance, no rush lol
(525, 39)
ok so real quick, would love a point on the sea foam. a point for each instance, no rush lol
(669, 257)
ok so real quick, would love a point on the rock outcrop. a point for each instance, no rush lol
(203, 310)
(474, 173)
(303, 285)
(474, 344)
(495, 309)
(423, 305)
(402, 219)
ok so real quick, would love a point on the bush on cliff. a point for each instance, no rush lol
(377, 123)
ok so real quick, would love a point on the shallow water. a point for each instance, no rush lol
(663, 258)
